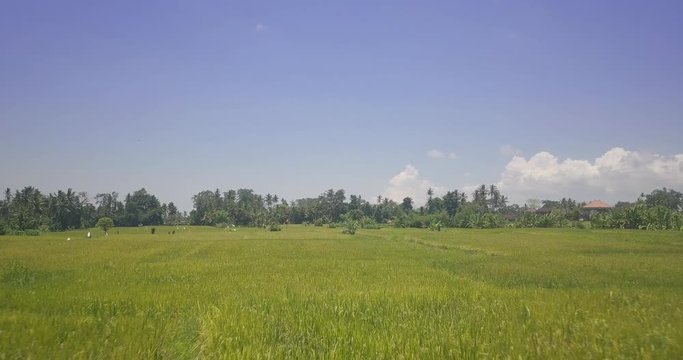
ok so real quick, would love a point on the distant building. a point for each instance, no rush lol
(593, 207)
(597, 205)
(544, 210)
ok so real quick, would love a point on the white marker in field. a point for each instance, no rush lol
(89, 235)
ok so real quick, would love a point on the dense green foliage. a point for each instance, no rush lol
(105, 223)
(487, 209)
(142, 208)
(28, 209)
(312, 292)
(667, 198)
(639, 216)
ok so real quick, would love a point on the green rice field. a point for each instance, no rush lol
(313, 292)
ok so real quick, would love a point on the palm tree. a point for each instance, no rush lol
(480, 195)
(494, 194)
(407, 204)
(430, 194)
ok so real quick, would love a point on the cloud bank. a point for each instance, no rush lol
(618, 174)
(408, 183)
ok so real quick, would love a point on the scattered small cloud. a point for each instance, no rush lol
(408, 183)
(618, 174)
(509, 151)
(260, 27)
(438, 154)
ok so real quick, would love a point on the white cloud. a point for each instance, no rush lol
(509, 150)
(618, 174)
(408, 183)
(261, 27)
(438, 154)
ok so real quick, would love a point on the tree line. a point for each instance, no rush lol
(29, 210)
(485, 208)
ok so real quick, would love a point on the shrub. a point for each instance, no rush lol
(413, 220)
(548, 220)
(492, 221)
(401, 220)
(105, 223)
(355, 214)
(599, 221)
(367, 222)
(526, 220)
(418, 221)
(332, 225)
(466, 217)
(350, 227)
(663, 218)
(274, 227)
(319, 222)
(32, 232)
(217, 217)
(153, 230)
(638, 217)
(3, 230)
(435, 225)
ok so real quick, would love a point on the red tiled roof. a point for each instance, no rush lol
(597, 204)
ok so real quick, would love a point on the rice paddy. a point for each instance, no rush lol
(313, 292)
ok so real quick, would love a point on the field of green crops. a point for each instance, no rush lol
(312, 292)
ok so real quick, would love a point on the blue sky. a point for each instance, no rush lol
(294, 97)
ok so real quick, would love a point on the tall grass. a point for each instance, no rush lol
(312, 292)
